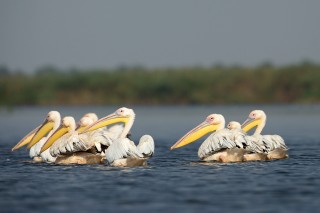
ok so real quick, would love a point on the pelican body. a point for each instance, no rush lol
(275, 147)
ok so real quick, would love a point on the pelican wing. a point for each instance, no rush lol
(244, 141)
(255, 145)
(122, 148)
(216, 142)
(74, 142)
(247, 142)
(279, 141)
(273, 142)
(70, 143)
(146, 146)
(238, 136)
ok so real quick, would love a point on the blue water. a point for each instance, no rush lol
(173, 181)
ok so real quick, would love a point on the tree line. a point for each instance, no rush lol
(298, 83)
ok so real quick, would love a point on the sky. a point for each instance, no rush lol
(167, 33)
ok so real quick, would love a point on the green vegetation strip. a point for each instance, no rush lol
(223, 85)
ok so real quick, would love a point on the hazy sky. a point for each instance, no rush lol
(93, 34)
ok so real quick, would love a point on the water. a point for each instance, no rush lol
(173, 181)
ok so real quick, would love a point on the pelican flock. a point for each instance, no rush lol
(106, 140)
(92, 141)
(233, 144)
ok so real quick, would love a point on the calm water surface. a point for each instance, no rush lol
(173, 181)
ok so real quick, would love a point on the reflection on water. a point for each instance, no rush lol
(173, 181)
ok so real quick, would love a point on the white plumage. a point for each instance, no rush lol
(122, 151)
(122, 148)
(216, 142)
(273, 145)
(45, 156)
(222, 145)
(69, 143)
(146, 146)
(243, 140)
(35, 149)
(74, 142)
(52, 117)
(270, 142)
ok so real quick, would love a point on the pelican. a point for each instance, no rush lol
(69, 147)
(222, 145)
(256, 150)
(275, 145)
(37, 137)
(123, 152)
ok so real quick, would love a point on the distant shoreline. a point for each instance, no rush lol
(299, 83)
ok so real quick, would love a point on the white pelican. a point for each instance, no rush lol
(274, 144)
(256, 151)
(36, 138)
(69, 147)
(123, 152)
(222, 145)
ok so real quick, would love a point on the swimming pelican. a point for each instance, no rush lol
(37, 137)
(275, 145)
(123, 152)
(256, 150)
(222, 145)
(69, 147)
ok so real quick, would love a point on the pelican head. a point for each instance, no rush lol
(123, 114)
(92, 115)
(68, 124)
(53, 119)
(256, 118)
(233, 125)
(86, 120)
(212, 123)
